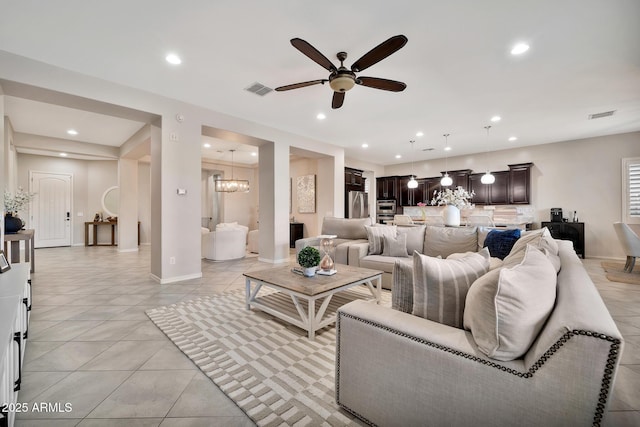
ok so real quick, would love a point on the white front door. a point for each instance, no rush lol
(51, 209)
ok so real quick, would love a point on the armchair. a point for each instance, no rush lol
(226, 243)
(630, 244)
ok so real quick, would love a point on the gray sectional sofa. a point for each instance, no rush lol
(349, 231)
(428, 240)
(394, 368)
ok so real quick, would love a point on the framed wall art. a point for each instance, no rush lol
(306, 191)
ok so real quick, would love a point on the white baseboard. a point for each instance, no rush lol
(128, 250)
(274, 261)
(175, 279)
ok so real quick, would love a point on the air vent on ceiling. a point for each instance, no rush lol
(428, 149)
(601, 115)
(258, 89)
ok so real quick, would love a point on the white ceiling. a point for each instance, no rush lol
(584, 59)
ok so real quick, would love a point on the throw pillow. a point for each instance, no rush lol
(445, 241)
(541, 239)
(500, 242)
(415, 237)
(440, 285)
(395, 246)
(375, 234)
(402, 288)
(506, 308)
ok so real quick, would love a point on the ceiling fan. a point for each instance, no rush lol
(342, 78)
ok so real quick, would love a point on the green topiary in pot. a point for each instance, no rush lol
(309, 258)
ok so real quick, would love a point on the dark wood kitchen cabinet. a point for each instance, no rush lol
(490, 194)
(411, 196)
(353, 180)
(386, 188)
(520, 183)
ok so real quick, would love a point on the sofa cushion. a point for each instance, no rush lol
(440, 285)
(375, 234)
(506, 308)
(380, 262)
(402, 288)
(395, 246)
(445, 241)
(541, 239)
(415, 237)
(500, 242)
(345, 228)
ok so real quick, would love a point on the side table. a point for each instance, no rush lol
(29, 251)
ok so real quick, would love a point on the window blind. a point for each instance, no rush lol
(633, 189)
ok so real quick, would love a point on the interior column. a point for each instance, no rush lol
(274, 202)
(128, 205)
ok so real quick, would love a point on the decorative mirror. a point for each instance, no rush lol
(110, 201)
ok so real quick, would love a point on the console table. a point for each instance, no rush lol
(95, 225)
(29, 253)
(296, 231)
(573, 231)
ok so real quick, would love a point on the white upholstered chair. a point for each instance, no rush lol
(630, 244)
(227, 242)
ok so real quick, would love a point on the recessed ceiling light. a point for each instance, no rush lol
(72, 132)
(253, 153)
(513, 138)
(206, 145)
(174, 59)
(519, 49)
(420, 133)
(365, 145)
(447, 148)
(496, 119)
(321, 116)
(63, 154)
(398, 156)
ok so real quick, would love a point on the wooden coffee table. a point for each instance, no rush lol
(309, 303)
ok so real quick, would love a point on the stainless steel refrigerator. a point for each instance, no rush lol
(358, 204)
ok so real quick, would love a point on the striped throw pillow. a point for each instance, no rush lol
(440, 285)
(376, 233)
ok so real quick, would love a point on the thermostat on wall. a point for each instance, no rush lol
(182, 191)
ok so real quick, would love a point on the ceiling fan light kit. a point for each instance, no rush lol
(342, 79)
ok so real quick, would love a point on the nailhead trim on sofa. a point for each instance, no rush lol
(606, 379)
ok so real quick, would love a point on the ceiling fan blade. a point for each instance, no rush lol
(379, 52)
(299, 85)
(313, 53)
(384, 84)
(338, 99)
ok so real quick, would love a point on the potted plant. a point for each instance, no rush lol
(309, 258)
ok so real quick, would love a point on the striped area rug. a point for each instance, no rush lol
(270, 369)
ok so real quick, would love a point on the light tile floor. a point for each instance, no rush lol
(92, 345)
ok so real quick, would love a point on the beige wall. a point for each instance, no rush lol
(312, 221)
(582, 175)
(90, 180)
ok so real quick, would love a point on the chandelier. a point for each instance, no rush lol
(232, 185)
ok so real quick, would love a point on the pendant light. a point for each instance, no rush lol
(412, 182)
(232, 185)
(488, 178)
(446, 180)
